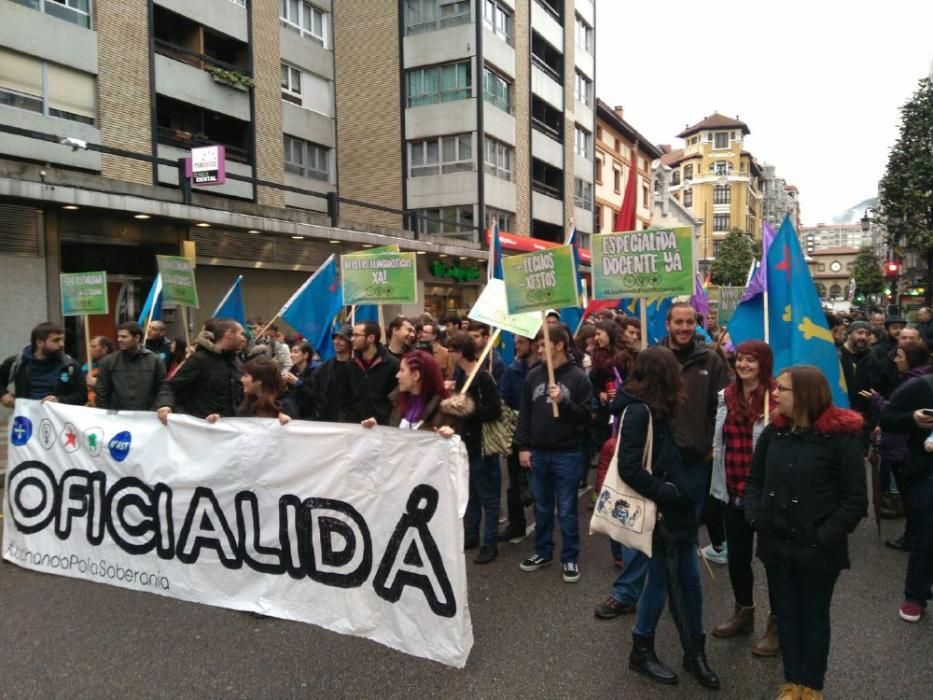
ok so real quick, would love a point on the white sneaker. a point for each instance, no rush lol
(716, 557)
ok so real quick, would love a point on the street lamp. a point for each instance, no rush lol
(867, 219)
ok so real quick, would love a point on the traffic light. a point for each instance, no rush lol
(891, 269)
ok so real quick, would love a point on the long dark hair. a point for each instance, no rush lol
(432, 381)
(614, 355)
(751, 410)
(656, 379)
(266, 405)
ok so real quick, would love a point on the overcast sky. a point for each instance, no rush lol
(819, 83)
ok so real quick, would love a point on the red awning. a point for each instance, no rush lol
(527, 244)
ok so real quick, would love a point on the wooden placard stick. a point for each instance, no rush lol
(479, 363)
(549, 358)
(643, 317)
(87, 343)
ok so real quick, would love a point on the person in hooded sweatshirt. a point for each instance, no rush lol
(43, 371)
(806, 492)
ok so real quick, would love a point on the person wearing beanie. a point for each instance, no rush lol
(855, 357)
(740, 420)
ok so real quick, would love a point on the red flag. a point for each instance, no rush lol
(625, 220)
(598, 305)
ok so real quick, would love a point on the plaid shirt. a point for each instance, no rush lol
(738, 446)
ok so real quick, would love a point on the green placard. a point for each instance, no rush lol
(728, 301)
(84, 293)
(378, 250)
(178, 285)
(650, 263)
(383, 278)
(541, 280)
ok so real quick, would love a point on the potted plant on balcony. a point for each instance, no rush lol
(235, 79)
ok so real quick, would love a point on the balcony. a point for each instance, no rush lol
(228, 17)
(186, 126)
(544, 147)
(546, 87)
(547, 19)
(546, 119)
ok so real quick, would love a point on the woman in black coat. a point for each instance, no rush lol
(654, 390)
(805, 494)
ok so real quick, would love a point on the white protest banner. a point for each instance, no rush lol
(492, 309)
(355, 530)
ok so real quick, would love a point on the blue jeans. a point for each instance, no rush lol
(554, 477)
(630, 582)
(801, 603)
(676, 564)
(485, 488)
(919, 502)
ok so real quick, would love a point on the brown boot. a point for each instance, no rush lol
(810, 693)
(741, 622)
(790, 691)
(769, 644)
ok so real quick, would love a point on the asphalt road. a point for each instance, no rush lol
(535, 637)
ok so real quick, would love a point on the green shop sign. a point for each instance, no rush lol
(541, 280)
(458, 273)
(84, 293)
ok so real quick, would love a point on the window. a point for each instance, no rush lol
(546, 57)
(46, 88)
(721, 140)
(645, 197)
(291, 84)
(547, 119)
(497, 91)
(688, 198)
(675, 177)
(618, 145)
(444, 83)
(446, 220)
(318, 94)
(688, 172)
(721, 222)
(74, 11)
(428, 15)
(722, 194)
(617, 180)
(499, 159)
(503, 218)
(583, 194)
(599, 171)
(583, 89)
(597, 219)
(303, 17)
(307, 159)
(498, 18)
(584, 36)
(583, 143)
(445, 154)
(547, 179)
(723, 168)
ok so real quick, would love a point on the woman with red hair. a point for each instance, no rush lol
(740, 421)
(418, 402)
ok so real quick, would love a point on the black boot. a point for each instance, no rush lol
(645, 661)
(695, 663)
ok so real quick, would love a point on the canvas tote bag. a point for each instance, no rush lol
(621, 512)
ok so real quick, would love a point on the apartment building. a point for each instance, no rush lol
(718, 180)
(102, 100)
(619, 149)
(779, 199)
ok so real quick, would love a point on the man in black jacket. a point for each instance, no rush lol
(552, 448)
(208, 383)
(371, 375)
(43, 371)
(911, 411)
(330, 383)
(130, 379)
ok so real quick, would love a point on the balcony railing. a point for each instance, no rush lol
(549, 190)
(179, 138)
(193, 58)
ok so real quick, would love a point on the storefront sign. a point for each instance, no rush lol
(384, 278)
(208, 165)
(542, 280)
(651, 263)
(178, 285)
(492, 309)
(84, 293)
(457, 273)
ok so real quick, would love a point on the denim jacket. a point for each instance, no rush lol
(717, 487)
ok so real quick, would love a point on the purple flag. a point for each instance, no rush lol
(699, 300)
(758, 282)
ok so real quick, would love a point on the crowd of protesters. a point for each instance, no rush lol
(749, 455)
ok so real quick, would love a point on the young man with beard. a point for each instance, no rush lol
(129, 379)
(330, 383)
(400, 337)
(43, 371)
(208, 383)
(855, 357)
(371, 375)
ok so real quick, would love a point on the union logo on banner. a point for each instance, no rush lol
(69, 438)
(46, 434)
(94, 441)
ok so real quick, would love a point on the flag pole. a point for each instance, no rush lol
(643, 314)
(767, 410)
(87, 342)
(149, 317)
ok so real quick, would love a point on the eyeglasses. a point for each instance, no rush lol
(782, 389)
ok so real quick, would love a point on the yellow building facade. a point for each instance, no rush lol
(718, 180)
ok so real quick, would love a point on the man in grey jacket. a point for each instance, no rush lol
(130, 379)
